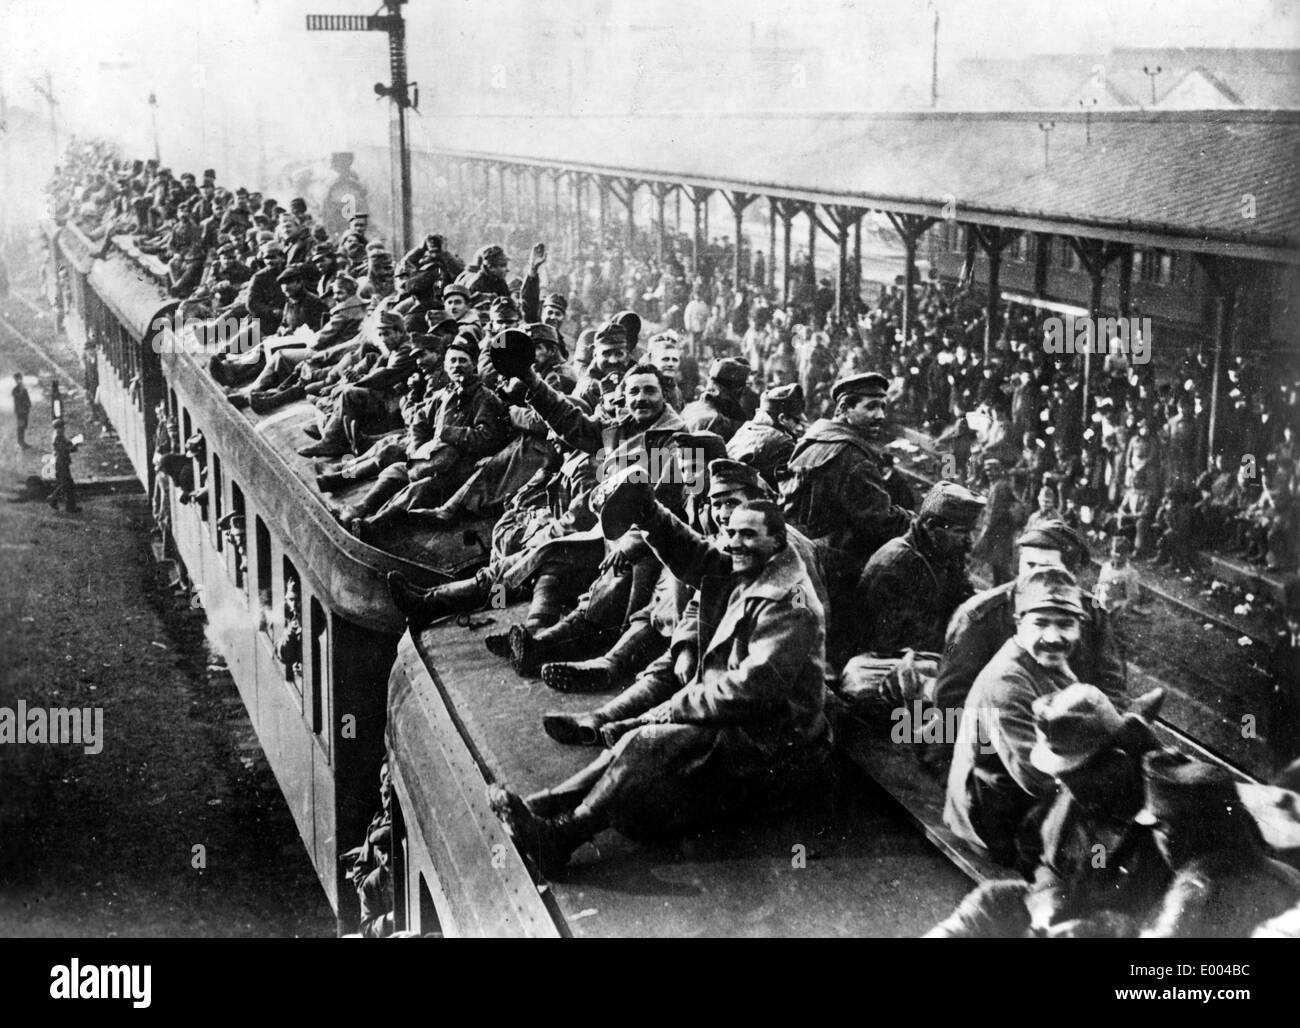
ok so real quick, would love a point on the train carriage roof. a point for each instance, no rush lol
(130, 293)
(459, 717)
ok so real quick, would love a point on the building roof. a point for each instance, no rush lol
(1187, 180)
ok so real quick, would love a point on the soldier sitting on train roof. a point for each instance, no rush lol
(986, 621)
(280, 382)
(744, 736)
(551, 505)
(355, 235)
(767, 440)
(837, 490)
(665, 353)
(463, 423)
(1095, 754)
(718, 408)
(378, 283)
(498, 477)
(302, 315)
(490, 278)
(430, 257)
(653, 629)
(455, 303)
(551, 310)
(1225, 884)
(609, 361)
(992, 784)
(370, 404)
(623, 580)
(912, 585)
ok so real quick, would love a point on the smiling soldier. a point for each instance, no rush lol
(744, 734)
(992, 785)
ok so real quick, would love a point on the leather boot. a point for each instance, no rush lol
(421, 606)
(572, 730)
(545, 842)
(569, 639)
(551, 597)
(385, 488)
(615, 670)
(569, 794)
(266, 402)
(333, 441)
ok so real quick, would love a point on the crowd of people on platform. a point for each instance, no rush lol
(706, 525)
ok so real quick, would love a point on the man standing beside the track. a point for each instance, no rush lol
(22, 409)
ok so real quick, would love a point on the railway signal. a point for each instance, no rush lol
(402, 93)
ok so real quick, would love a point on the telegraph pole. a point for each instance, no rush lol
(402, 93)
(934, 62)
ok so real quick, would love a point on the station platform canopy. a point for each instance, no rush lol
(1220, 182)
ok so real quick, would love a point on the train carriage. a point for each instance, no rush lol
(298, 608)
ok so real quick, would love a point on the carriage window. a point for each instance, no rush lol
(187, 428)
(290, 643)
(262, 539)
(217, 501)
(235, 535)
(319, 663)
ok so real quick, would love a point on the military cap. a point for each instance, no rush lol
(725, 475)
(955, 504)
(441, 323)
(1056, 535)
(786, 400)
(391, 319)
(582, 351)
(347, 281)
(293, 273)
(870, 383)
(1048, 589)
(187, 175)
(1179, 789)
(227, 250)
(511, 352)
(730, 371)
(556, 301)
(241, 192)
(631, 323)
(504, 305)
(298, 204)
(271, 249)
(542, 333)
(453, 289)
(992, 465)
(492, 254)
(610, 334)
(323, 249)
(1071, 727)
(376, 246)
(622, 499)
(466, 342)
(381, 260)
(210, 174)
(712, 445)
